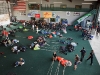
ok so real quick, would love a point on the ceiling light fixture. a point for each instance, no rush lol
(90, 0)
(57, 2)
(86, 3)
(32, 2)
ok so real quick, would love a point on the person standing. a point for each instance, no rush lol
(82, 54)
(24, 24)
(98, 30)
(91, 57)
(37, 30)
(33, 27)
(77, 61)
(54, 56)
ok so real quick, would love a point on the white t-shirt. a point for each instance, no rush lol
(32, 26)
(15, 47)
(24, 23)
(37, 28)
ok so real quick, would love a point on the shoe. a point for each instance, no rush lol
(91, 64)
(15, 66)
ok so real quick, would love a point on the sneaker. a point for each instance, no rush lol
(15, 66)
(91, 64)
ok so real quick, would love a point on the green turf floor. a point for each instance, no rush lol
(38, 62)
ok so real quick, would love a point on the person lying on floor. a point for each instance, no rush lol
(23, 48)
(20, 62)
(70, 48)
(12, 33)
(5, 42)
(15, 49)
(63, 50)
(64, 62)
(41, 40)
(14, 41)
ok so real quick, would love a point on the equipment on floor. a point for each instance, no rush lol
(30, 37)
(20, 27)
(25, 29)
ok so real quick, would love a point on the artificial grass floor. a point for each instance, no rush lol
(38, 62)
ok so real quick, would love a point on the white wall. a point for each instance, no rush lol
(19, 16)
(62, 14)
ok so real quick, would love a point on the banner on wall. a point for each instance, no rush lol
(57, 16)
(68, 13)
(53, 14)
(4, 19)
(47, 14)
(21, 5)
(76, 13)
(83, 18)
(37, 15)
(32, 13)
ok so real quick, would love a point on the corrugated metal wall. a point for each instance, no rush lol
(3, 7)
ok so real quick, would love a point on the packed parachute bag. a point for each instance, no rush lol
(64, 31)
(36, 47)
(63, 50)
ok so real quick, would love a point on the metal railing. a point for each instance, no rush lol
(65, 9)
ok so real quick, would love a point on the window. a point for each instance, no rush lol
(34, 6)
(52, 20)
(91, 6)
(78, 6)
(63, 6)
(22, 13)
(51, 5)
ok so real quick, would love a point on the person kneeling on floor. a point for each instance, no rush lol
(20, 62)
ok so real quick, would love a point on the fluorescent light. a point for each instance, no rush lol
(57, 2)
(32, 2)
(12, 3)
(86, 3)
(23, 0)
(90, 0)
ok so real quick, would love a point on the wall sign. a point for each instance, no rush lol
(37, 15)
(83, 18)
(76, 14)
(68, 13)
(47, 14)
(32, 13)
